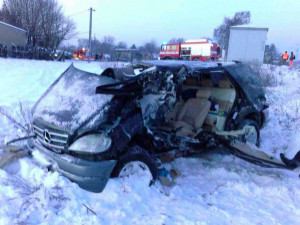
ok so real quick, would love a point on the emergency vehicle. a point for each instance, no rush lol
(200, 49)
(82, 54)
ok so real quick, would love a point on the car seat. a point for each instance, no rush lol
(191, 116)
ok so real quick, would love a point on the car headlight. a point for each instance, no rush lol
(93, 144)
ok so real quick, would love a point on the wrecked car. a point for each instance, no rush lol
(92, 127)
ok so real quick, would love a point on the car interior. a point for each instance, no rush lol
(204, 104)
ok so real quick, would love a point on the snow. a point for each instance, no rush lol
(72, 100)
(214, 189)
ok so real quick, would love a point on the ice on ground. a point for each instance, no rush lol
(215, 189)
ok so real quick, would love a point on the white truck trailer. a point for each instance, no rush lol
(247, 43)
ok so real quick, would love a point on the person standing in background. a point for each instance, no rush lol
(285, 57)
(292, 57)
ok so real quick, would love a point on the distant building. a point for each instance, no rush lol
(247, 43)
(10, 34)
(126, 55)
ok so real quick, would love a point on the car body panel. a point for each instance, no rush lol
(249, 82)
(91, 176)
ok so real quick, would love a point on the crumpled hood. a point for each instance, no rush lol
(71, 100)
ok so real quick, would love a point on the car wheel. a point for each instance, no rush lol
(195, 59)
(138, 162)
(252, 137)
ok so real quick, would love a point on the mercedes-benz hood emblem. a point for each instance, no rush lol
(47, 136)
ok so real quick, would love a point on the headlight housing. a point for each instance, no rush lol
(91, 144)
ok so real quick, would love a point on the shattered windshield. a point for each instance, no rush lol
(71, 99)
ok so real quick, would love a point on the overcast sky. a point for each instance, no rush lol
(139, 21)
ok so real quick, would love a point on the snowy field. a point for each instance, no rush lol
(217, 189)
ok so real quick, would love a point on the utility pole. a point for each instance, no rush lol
(90, 34)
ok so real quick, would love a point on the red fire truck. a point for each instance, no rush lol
(201, 49)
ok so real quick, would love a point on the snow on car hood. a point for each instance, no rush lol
(71, 100)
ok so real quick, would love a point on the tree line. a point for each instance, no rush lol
(109, 45)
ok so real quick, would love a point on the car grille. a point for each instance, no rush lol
(52, 139)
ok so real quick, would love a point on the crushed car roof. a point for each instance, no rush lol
(241, 73)
(246, 78)
(174, 65)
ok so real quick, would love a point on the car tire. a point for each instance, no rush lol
(196, 59)
(136, 155)
(251, 139)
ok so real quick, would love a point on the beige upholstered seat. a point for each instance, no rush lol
(227, 90)
(191, 116)
(224, 83)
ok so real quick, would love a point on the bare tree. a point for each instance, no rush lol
(96, 45)
(108, 44)
(43, 19)
(121, 44)
(133, 47)
(271, 54)
(68, 47)
(82, 43)
(221, 33)
(11, 12)
(142, 49)
(55, 26)
(176, 40)
(151, 48)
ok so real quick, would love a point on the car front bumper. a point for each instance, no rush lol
(91, 176)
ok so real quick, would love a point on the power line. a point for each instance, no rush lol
(46, 21)
(86, 10)
(83, 32)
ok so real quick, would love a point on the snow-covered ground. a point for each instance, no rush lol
(217, 189)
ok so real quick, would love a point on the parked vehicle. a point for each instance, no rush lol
(3, 50)
(93, 127)
(195, 50)
(30, 52)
